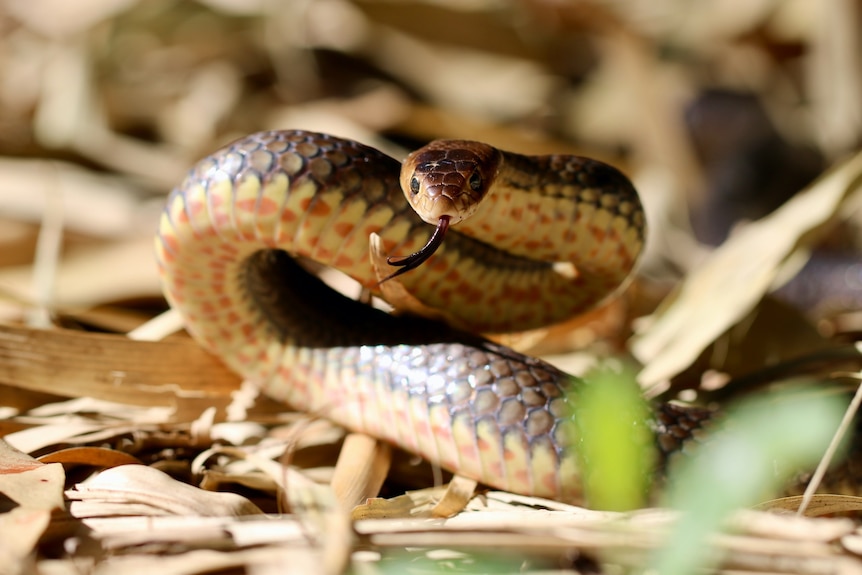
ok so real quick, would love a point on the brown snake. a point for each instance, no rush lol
(533, 240)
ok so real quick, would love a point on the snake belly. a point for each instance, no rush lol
(227, 248)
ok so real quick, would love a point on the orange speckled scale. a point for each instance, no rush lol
(226, 250)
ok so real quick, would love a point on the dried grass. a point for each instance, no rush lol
(104, 105)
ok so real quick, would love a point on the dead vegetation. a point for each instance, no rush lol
(104, 104)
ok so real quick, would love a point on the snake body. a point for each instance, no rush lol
(227, 246)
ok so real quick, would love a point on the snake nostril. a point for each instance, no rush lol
(414, 185)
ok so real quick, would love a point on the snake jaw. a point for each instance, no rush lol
(432, 208)
(416, 259)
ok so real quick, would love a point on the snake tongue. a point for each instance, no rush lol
(416, 259)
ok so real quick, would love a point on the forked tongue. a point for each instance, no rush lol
(416, 259)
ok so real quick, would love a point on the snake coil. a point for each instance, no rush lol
(228, 244)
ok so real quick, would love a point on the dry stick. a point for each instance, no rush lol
(846, 422)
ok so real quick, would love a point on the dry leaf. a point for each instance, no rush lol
(821, 504)
(93, 275)
(458, 493)
(115, 368)
(28, 482)
(264, 560)
(321, 510)
(852, 543)
(737, 275)
(783, 526)
(362, 466)
(92, 456)
(154, 493)
(412, 504)
(104, 111)
(123, 534)
(20, 530)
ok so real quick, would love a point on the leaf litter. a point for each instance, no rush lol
(142, 455)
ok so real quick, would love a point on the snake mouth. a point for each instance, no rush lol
(434, 208)
(416, 259)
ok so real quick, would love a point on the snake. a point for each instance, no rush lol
(501, 241)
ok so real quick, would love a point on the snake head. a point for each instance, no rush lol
(444, 182)
(448, 178)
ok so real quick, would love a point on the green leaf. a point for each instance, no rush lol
(615, 445)
(760, 445)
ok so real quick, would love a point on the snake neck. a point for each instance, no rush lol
(571, 229)
(564, 209)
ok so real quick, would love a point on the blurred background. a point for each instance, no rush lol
(719, 110)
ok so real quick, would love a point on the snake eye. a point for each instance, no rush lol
(414, 185)
(475, 181)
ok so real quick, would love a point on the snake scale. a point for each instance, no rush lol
(228, 244)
